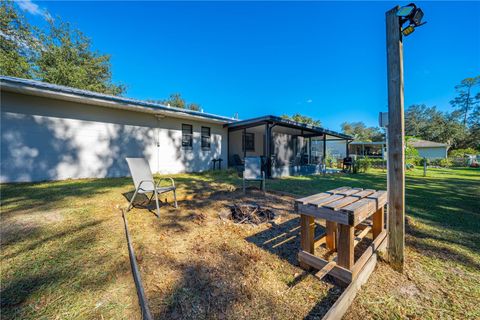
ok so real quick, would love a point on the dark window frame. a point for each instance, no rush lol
(250, 145)
(187, 132)
(205, 138)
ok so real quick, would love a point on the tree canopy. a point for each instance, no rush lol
(459, 128)
(57, 54)
(302, 119)
(177, 101)
(361, 132)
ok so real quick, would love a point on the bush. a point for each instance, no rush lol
(445, 163)
(462, 152)
(459, 161)
(364, 164)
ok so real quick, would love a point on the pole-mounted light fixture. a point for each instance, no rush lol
(411, 14)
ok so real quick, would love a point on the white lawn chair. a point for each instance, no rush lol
(253, 171)
(144, 183)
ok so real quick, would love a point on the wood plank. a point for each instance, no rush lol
(361, 235)
(314, 197)
(337, 204)
(378, 222)
(360, 206)
(380, 196)
(337, 311)
(325, 270)
(337, 190)
(396, 142)
(321, 202)
(345, 246)
(320, 240)
(318, 263)
(364, 224)
(360, 210)
(331, 235)
(350, 191)
(364, 193)
(323, 213)
(307, 235)
(367, 253)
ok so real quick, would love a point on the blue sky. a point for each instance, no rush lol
(323, 59)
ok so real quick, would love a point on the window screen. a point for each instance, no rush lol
(205, 138)
(187, 136)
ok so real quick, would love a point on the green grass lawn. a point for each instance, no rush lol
(64, 253)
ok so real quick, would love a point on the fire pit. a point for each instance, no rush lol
(243, 213)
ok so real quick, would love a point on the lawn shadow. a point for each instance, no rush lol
(283, 240)
(40, 282)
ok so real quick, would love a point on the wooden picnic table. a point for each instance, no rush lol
(345, 211)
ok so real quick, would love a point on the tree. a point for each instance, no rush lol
(67, 59)
(17, 45)
(465, 101)
(361, 132)
(297, 117)
(194, 106)
(431, 124)
(58, 54)
(176, 100)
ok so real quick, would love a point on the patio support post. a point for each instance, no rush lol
(268, 149)
(324, 158)
(244, 136)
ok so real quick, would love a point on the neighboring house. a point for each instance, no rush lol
(426, 149)
(372, 149)
(52, 132)
(430, 149)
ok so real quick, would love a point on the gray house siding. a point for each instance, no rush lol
(48, 139)
(432, 152)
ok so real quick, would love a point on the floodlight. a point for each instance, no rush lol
(413, 15)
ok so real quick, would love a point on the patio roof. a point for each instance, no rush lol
(243, 124)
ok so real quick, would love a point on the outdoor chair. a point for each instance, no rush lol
(144, 182)
(253, 172)
(237, 163)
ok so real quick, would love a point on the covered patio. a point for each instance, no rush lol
(287, 147)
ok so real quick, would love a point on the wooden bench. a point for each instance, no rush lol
(345, 210)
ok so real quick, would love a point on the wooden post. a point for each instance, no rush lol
(345, 246)
(331, 235)
(324, 153)
(307, 236)
(396, 144)
(378, 222)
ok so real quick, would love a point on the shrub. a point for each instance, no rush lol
(459, 161)
(462, 152)
(445, 163)
(364, 164)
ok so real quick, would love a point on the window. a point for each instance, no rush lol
(206, 138)
(187, 136)
(248, 142)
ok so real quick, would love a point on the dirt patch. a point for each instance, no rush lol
(27, 222)
(247, 213)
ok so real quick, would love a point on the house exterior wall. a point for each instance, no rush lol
(235, 143)
(432, 152)
(48, 139)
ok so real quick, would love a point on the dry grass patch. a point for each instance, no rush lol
(196, 265)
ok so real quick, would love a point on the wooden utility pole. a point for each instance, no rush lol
(396, 142)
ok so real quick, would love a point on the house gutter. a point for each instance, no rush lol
(92, 98)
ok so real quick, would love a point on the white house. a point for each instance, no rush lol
(430, 149)
(426, 149)
(52, 132)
